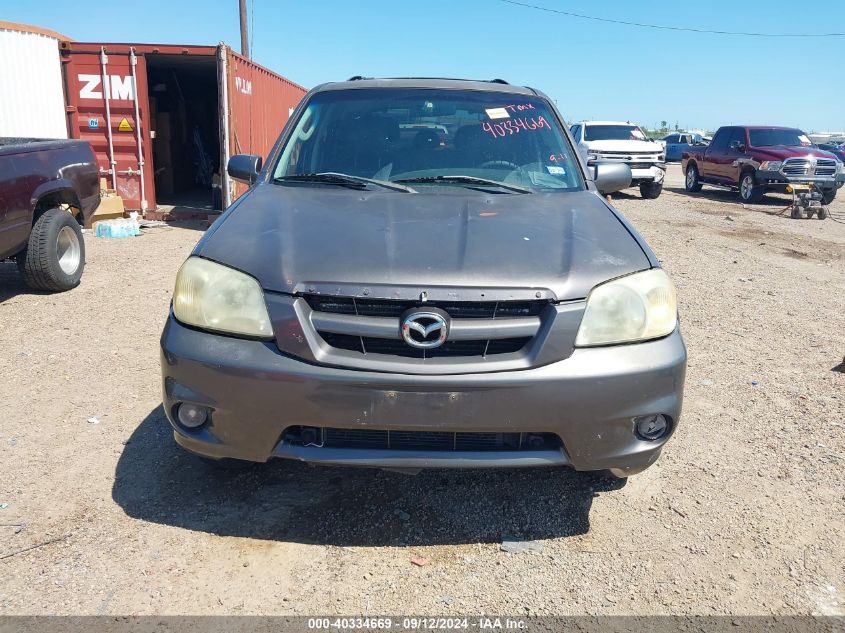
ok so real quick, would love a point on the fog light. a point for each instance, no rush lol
(652, 427)
(191, 415)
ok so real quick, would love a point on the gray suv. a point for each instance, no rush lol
(424, 274)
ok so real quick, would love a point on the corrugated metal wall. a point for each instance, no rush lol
(33, 103)
(260, 103)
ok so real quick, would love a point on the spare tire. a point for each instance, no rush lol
(55, 255)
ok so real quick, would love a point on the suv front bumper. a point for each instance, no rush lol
(589, 400)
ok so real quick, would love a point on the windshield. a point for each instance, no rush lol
(789, 138)
(613, 133)
(431, 136)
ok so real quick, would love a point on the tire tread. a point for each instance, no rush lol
(37, 264)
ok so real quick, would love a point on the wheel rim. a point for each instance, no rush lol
(745, 187)
(691, 177)
(68, 250)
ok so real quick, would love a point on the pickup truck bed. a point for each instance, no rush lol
(48, 188)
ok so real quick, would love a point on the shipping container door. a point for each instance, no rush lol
(260, 103)
(95, 88)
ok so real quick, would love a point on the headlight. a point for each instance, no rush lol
(638, 307)
(218, 298)
(771, 165)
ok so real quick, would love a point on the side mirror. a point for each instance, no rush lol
(612, 177)
(244, 167)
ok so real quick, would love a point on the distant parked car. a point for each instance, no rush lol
(836, 150)
(679, 142)
(756, 159)
(48, 189)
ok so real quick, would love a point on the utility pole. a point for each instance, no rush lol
(244, 31)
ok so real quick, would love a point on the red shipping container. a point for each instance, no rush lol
(164, 119)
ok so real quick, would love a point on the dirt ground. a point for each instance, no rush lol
(743, 514)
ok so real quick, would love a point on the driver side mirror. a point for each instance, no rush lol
(738, 146)
(612, 177)
(245, 167)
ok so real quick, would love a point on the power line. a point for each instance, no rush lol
(667, 28)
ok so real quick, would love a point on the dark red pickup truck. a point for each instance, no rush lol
(47, 190)
(756, 159)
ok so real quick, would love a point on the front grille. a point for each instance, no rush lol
(639, 165)
(455, 309)
(396, 347)
(388, 342)
(825, 167)
(796, 168)
(434, 441)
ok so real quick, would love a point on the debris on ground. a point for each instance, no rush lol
(419, 561)
(117, 228)
(513, 545)
(93, 420)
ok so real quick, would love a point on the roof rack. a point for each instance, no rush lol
(358, 78)
(499, 81)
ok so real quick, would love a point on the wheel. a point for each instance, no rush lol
(650, 190)
(55, 255)
(749, 191)
(691, 181)
(796, 213)
(823, 213)
(827, 196)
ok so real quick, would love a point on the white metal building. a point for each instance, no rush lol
(33, 103)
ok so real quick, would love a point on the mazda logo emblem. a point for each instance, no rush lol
(425, 329)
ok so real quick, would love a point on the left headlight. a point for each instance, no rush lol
(771, 165)
(221, 299)
(638, 307)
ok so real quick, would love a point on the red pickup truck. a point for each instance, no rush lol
(47, 190)
(756, 159)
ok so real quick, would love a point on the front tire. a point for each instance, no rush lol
(749, 191)
(651, 190)
(691, 181)
(55, 255)
(828, 195)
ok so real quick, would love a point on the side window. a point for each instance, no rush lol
(685, 139)
(720, 141)
(576, 131)
(672, 138)
(737, 136)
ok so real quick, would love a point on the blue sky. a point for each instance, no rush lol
(591, 69)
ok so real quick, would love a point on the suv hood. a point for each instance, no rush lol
(293, 237)
(625, 146)
(779, 152)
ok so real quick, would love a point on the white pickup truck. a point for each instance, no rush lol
(615, 142)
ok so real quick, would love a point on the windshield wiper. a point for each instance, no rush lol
(467, 180)
(343, 180)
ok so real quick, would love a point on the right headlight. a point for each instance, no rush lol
(771, 165)
(638, 307)
(220, 299)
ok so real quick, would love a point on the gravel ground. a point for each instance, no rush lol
(743, 514)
